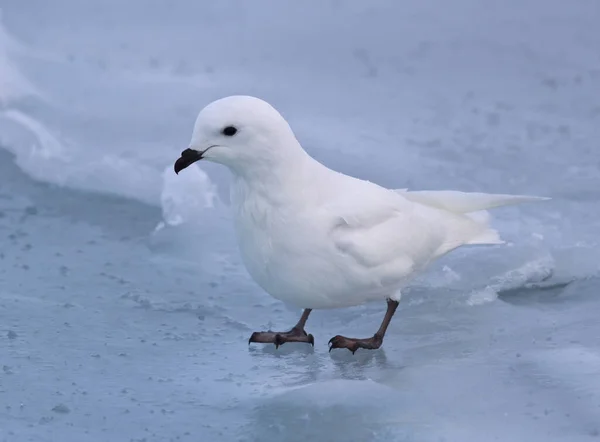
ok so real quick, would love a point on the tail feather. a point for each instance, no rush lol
(472, 224)
(465, 202)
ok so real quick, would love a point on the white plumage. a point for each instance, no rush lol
(317, 238)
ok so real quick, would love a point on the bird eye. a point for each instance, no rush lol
(229, 131)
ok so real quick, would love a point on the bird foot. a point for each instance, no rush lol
(354, 344)
(296, 334)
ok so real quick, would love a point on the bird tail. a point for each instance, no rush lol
(472, 205)
(465, 202)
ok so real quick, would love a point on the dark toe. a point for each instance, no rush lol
(294, 335)
(343, 342)
(279, 340)
(253, 337)
(354, 344)
(334, 342)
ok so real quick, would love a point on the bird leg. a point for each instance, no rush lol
(372, 343)
(296, 334)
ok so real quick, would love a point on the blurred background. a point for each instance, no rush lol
(124, 308)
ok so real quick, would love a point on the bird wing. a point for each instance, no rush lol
(386, 234)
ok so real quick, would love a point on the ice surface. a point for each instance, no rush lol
(124, 308)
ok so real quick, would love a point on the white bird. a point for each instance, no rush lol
(317, 238)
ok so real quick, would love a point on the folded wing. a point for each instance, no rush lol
(392, 236)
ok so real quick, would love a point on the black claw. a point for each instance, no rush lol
(278, 341)
(251, 338)
(331, 344)
(341, 342)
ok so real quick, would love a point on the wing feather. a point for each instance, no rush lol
(388, 235)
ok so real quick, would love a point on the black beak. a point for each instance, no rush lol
(188, 156)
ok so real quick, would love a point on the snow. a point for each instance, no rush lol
(121, 320)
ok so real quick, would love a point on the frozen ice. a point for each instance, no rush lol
(124, 308)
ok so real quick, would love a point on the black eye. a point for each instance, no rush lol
(229, 131)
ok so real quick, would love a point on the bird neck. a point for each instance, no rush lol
(277, 179)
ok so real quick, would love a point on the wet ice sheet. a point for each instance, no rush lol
(126, 321)
(106, 335)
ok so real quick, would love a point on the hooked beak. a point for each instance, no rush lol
(188, 157)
